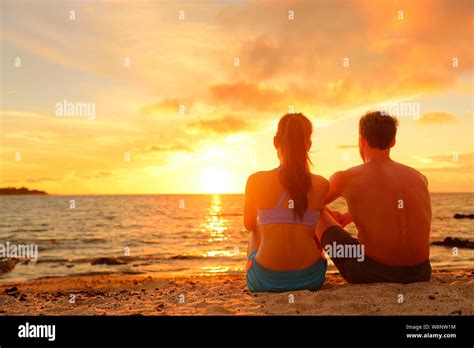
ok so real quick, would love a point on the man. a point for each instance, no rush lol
(390, 206)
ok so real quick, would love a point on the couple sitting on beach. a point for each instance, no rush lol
(290, 224)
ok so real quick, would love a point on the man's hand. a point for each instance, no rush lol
(342, 219)
(335, 214)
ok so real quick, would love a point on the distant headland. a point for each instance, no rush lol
(20, 191)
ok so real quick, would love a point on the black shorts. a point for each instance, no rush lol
(370, 271)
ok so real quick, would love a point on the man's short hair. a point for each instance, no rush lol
(378, 128)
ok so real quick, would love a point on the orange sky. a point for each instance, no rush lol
(196, 108)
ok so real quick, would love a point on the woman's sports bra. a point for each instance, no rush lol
(279, 215)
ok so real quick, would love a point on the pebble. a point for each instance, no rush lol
(10, 290)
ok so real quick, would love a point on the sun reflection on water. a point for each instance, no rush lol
(216, 226)
(216, 229)
(216, 269)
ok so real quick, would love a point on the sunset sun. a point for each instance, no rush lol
(216, 180)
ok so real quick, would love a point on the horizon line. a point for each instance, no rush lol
(172, 194)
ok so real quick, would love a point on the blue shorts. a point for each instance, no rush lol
(261, 279)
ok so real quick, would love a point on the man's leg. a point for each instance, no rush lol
(329, 232)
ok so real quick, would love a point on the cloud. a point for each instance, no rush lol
(263, 57)
(447, 169)
(241, 94)
(277, 98)
(166, 106)
(169, 148)
(436, 118)
(31, 180)
(452, 163)
(99, 175)
(388, 58)
(298, 62)
(221, 125)
(20, 114)
(343, 147)
(454, 157)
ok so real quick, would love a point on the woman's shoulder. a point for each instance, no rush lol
(259, 178)
(319, 178)
(262, 174)
(320, 181)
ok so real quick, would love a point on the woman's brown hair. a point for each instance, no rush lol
(293, 135)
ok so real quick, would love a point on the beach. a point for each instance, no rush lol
(450, 292)
(192, 262)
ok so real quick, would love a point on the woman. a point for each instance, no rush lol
(281, 211)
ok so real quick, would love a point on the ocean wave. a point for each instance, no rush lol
(54, 241)
(226, 214)
(92, 240)
(30, 230)
(54, 260)
(122, 260)
(185, 257)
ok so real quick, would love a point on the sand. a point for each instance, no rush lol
(450, 292)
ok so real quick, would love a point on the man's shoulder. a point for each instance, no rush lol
(396, 167)
(345, 177)
(367, 166)
(355, 168)
(412, 171)
(349, 172)
(408, 168)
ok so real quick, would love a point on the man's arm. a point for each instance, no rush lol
(250, 210)
(336, 187)
(336, 190)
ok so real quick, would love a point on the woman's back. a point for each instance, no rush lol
(281, 211)
(286, 243)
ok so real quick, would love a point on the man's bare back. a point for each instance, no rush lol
(390, 206)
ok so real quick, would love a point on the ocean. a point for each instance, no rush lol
(167, 234)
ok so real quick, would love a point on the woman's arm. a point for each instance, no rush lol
(250, 209)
